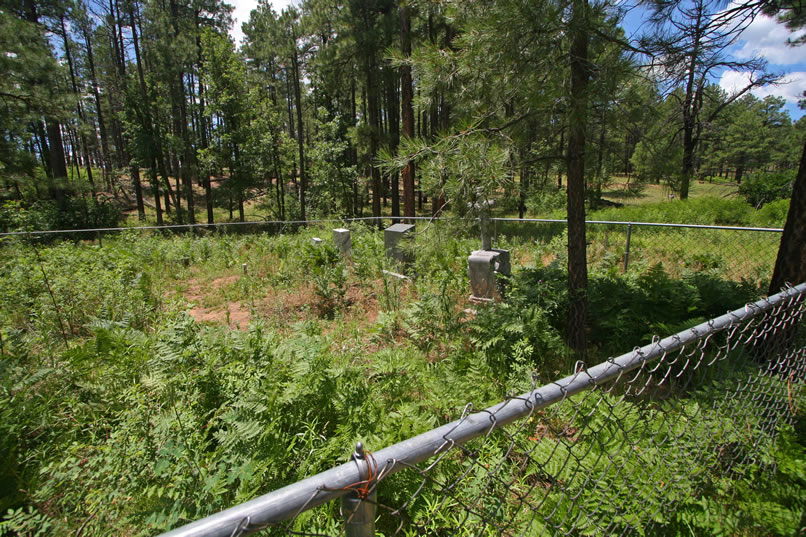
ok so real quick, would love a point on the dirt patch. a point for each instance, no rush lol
(232, 314)
(281, 307)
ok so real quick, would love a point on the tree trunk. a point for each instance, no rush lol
(526, 168)
(577, 255)
(690, 110)
(303, 179)
(790, 266)
(559, 168)
(374, 121)
(393, 124)
(357, 200)
(188, 161)
(148, 125)
(58, 164)
(407, 97)
(138, 192)
(208, 190)
(739, 171)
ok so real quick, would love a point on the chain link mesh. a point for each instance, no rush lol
(612, 459)
(732, 253)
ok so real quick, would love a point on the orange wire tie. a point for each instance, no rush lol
(363, 488)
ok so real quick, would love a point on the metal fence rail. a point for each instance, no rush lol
(737, 253)
(215, 226)
(374, 219)
(610, 449)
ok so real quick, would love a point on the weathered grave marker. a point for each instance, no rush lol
(486, 265)
(394, 238)
(343, 241)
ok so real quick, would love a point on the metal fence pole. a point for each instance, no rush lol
(495, 232)
(627, 250)
(358, 506)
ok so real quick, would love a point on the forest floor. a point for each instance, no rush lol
(619, 191)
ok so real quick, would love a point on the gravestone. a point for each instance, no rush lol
(395, 238)
(486, 265)
(316, 241)
(343, 241)
(484, 268)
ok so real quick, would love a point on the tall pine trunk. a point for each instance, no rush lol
(208, 189)
(148, 126)
(393, 125)
(407, 97)
(790, 265)
(374, 126)
(577, 120)
(303, 178)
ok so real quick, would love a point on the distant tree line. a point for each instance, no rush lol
(147, 101)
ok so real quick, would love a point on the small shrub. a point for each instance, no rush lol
(546, 200)
(772, 214)
(764, 187)
(74, 213)
(706, 211)
(328, 274)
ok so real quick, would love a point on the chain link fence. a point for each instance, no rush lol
(610, 450)
(735, 253)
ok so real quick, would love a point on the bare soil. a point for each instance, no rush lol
(233, 314)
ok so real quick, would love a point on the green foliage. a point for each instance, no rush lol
(761, 188)
(73, 213)
(329, 275)
(763, 499)
(58, 292)
(658, 162)
(772, 214)
(707, 211)
(631, 307)
(147, 419)
(546, 200)
(332, 177)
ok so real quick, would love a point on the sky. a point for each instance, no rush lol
(244, 7)
(764, 37)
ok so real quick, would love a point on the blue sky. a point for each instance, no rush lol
(767, 38)
(764, 37)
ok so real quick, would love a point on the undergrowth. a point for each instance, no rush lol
(122, 414)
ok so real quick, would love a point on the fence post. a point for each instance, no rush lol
(495, 232)
(627, 249)
(359, 512)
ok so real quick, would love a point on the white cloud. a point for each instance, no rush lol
(790, 88)
(242, 10)
(766, 37)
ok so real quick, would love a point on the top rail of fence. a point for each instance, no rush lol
(365, 219)
(646, 224)
(287, 502)
(217, 225)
